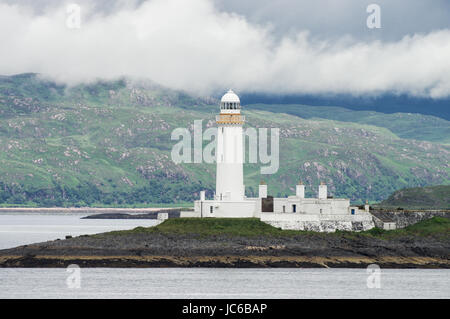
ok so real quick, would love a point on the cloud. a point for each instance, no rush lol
(333, 19)
(191, 45)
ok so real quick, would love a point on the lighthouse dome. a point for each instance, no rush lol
(230, 101)
(230, 96)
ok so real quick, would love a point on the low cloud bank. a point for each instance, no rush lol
(193, 46)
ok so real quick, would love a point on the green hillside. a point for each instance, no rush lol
(405, 125)
(108, 143)
(430, 197)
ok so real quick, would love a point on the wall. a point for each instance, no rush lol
(384, 224)
(312, 205)
(231, 209)
(316, 222)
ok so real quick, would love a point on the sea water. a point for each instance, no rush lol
(26, 228)
(221, 283)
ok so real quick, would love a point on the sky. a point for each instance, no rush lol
(201, 46)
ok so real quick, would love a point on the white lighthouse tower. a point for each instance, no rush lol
(229, 199)
(229, 151)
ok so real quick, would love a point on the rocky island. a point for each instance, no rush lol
(248, 242)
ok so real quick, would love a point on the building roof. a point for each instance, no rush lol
(230, 96)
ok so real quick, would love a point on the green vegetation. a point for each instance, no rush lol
(405, 125)
(247, 227)
(158, 193)
(251, 227)
(430, 197)
(109, 144)
(436, 227)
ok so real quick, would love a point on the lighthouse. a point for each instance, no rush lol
(229, 151)
(324, 213)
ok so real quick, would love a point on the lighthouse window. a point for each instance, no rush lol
(294, 208)
(211, 209)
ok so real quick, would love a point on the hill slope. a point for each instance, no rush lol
(430, 197)
(405, 125)
(110, 143)
(386, 103)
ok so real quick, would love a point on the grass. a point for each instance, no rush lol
(431, 197)
(251, 227)
(433, 227)
(436, 226)
(246, 227)
(405, 125)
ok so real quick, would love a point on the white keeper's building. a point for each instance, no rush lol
(294, 212)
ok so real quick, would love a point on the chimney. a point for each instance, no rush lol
(202, 196)
(323, 191)
(300, 190)
(262, 191)
(367, 207)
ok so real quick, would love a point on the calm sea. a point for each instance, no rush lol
(26, 228)
(18, 229)
(222, 283)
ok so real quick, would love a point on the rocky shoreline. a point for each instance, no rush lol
(221, 262)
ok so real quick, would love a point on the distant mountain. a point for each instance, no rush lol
(109, 143)
(405, 125)
(430, 197)
(388, 103)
